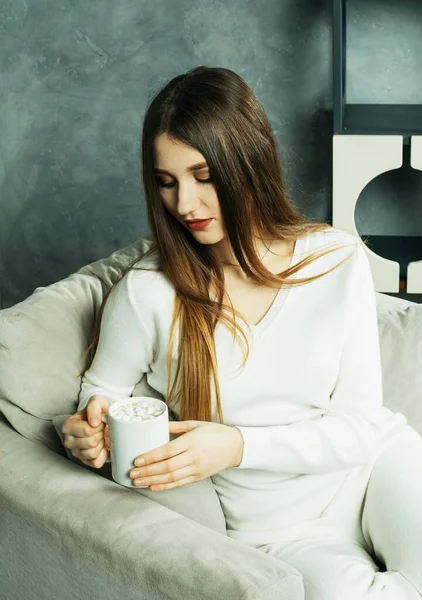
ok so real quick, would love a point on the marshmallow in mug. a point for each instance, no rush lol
(140, 410)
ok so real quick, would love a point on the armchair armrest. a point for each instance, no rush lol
(68, 533)
(198, 501)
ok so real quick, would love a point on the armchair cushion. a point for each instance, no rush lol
(42, 343)
(401, 356)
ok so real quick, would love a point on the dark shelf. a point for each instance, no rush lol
(383, 119)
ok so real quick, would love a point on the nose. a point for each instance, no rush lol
(187, 200)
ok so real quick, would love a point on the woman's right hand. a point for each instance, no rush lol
(85, 434)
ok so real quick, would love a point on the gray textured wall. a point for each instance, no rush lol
(76, 77)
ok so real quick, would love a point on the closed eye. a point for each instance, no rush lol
(173, 183)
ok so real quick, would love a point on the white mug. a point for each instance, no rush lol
(129, 439)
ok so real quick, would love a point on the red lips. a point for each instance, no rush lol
(198, 224)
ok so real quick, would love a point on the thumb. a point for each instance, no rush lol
(179, 426)
(96, 407)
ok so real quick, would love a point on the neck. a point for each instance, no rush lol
(262, 251)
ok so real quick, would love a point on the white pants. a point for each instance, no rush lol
(372, 548)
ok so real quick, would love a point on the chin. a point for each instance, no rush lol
(206, 238)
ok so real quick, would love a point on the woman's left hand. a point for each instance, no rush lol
(205, 449)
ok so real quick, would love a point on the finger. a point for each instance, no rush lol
(82, 429)
(91, 453)
(176, 426)
(177, 446)
(106, 433)
(170, 486)
(83, 443)
(78, 426)
(166, 478)
(98, 462)
(180, 461)
(94, 413)
(96, 407)
(71, 422)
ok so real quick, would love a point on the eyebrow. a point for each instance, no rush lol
(196, 167)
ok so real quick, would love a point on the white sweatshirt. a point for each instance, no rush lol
(308, 402)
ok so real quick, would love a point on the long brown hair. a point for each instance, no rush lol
(214, 111)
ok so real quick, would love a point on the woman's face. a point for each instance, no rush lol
(188, 193)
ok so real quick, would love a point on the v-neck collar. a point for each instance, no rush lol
(282, 294)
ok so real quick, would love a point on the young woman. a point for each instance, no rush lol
(259, 329)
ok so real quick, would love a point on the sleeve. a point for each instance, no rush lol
(348, 432)
(124, 351)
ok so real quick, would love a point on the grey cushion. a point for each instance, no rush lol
(385, 302)
(401, 355)
(42, 342)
